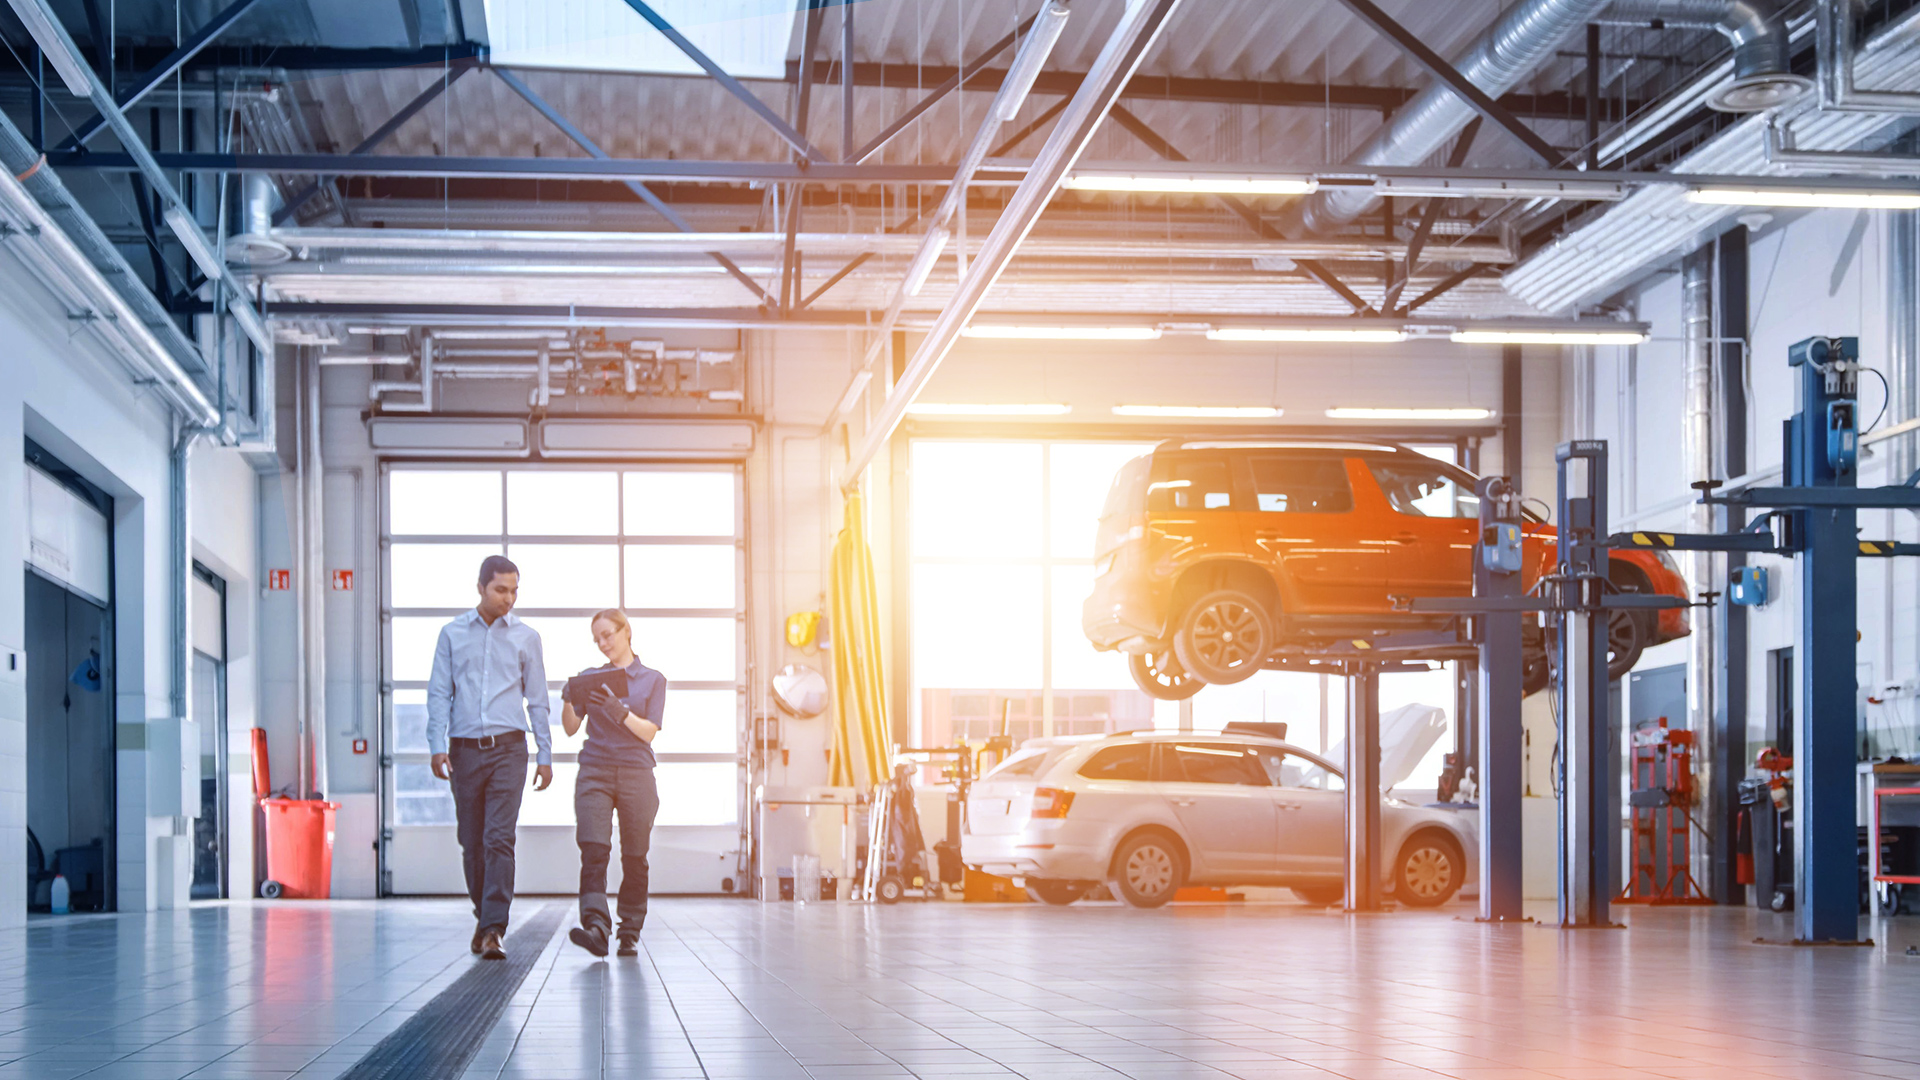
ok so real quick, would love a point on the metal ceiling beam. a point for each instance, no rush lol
(558, 315)
(1139, 25)
(733, 86)
(966, 73)
(599, 167)
(789, 256)
(1313, 269)
(380, 135)
(646, 195)
(1446, 285)
(169, 64)
(1428, 214)
(1438, 66)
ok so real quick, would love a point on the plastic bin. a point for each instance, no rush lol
(299, 848)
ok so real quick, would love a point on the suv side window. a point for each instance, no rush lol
(1214, 763)
(1191, 483)
(1128, 761)
(1423, 490)
(1301, 484)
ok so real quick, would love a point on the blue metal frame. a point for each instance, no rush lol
(174, 61)
(1501, 758)
(1586, 759)
(785, 130)
(380, 135)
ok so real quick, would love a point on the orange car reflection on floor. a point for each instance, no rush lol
(1214, 557)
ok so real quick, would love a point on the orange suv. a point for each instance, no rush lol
(1215, 558)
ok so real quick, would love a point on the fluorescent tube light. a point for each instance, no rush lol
(1854, 200)
(1214, 412)
(923, 260)
(504, 333)
(1437, 188)
(854, 389)
(1064, 333)
(1550, 337)
(357, 359)
(922, 408)
(1030, 59)
(1355, 413)
(251, 324)
(1191, 183)
(195, 241)
(1304, 333)
(54, 43)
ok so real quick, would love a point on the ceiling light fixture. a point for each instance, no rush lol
(1209, 412)
(55, 45)
(923, 408)
(923, 260)
(1626, 335)
(1448, 188)
(1358, 413)
(1063, 333)
(1849, 200)
(1306, 333)
(1196, 182)
(195, 241)
(1030, 59)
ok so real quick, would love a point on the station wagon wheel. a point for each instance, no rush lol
(1224, 637)
(1147, 870)
(1161, 676)
(1431, 870)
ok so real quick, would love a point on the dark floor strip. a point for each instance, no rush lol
(439, 1041)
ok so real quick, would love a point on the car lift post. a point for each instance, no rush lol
(1586, 764)
(1362, 814)
(1498, 576)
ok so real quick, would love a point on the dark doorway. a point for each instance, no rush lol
(1780, 698)
(209, 712)
(69, 747)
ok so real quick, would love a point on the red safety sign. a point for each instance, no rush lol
(279, 580)
(343, 581)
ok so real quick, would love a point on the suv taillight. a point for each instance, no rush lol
(1051, 802)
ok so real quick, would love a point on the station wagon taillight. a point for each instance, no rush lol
(1051, 802)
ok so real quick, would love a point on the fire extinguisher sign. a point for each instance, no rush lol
(343, 581)
(279, 580)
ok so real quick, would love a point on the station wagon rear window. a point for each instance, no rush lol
(1024, 763)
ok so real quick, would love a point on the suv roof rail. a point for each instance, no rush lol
(1257, 443)
(1249, 727)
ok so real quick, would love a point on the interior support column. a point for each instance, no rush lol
(1728, 764)
(1363, 789)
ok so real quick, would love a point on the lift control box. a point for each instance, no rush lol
(1500, 547)
(1843, 436)
(1748, 587)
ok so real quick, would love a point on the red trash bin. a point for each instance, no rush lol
(299, 848)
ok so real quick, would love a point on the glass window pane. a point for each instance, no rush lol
(1298, 484)
(553, 806)
(679, 503)
(566, 644)
(436, 575)
(680, 575)
(1423, 491)
(1288, 697)
(1080, 476)
(1193, 483)
(698, 793)
(419, 798)
(1077, 665)
(561, 503)
(413, 639)
(463, 502)
(687, 650)
(410, 721)
(976, 499)
(585, 576)
(976, 626)
(562, 742)
(700, 722)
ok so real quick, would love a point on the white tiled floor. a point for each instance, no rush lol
(732, 990)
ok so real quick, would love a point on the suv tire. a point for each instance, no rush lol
(1160, 676)
(1430, 870)
(1147, 870)
(1224, 637)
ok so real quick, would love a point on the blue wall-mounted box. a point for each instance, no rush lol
(1748, 587)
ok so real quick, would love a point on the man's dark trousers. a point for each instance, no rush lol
(489, 778)
(600, 790)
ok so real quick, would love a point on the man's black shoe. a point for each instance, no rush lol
(629, 945)
(591, 938)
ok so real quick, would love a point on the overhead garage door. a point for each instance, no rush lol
(664, 544)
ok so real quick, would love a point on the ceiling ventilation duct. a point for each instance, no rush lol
(256, 246)
(1757, 29)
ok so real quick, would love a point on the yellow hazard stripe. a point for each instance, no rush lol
(1641, 539)
(1876, 547)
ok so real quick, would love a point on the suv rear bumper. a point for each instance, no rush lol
(1120, 614)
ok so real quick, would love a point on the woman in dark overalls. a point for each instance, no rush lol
(616, 775)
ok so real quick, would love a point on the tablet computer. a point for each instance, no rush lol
(581, 687)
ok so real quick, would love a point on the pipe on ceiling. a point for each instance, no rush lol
(1520, 40)
(1763, 76)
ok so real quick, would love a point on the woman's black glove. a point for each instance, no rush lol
(607, 706)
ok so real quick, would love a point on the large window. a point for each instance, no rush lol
(662, 544)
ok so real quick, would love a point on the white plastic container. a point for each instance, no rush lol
(806, 878)
(63, 895)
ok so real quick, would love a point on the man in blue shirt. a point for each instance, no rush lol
(489, 686)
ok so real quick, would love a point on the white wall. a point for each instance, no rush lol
(60, 388)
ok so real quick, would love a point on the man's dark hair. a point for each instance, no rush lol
(493, 566)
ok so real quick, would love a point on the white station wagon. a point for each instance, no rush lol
(1148, 812)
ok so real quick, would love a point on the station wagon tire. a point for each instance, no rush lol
(1057, 893)
(1320, 895)
(1160, 676)
(1224, 637)
(1431, 869)
(1147, 870)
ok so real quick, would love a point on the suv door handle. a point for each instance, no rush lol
(1288, 805)
(1406, 538)
(1183, 802)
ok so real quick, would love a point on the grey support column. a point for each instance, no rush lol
(1363, 789)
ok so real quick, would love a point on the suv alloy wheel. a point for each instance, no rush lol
(1224, 637)
(1161, 676)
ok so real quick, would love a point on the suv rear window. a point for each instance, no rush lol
(1128, 495)
(1191, 483)
(1128, 761)
(1301, 484)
